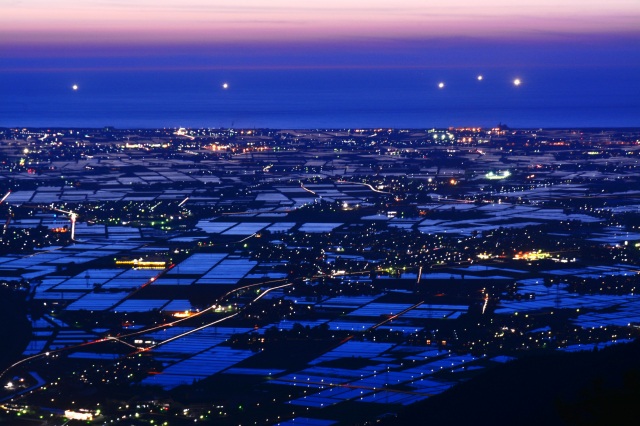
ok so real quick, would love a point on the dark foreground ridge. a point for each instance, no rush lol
(585, 388)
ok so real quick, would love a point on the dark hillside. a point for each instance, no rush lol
(587, 388)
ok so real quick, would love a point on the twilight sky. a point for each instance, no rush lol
(316, 33)
(573, 47)
(156, 22)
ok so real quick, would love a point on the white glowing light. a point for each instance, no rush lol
(74, 87)
(480, 77)
(441, 85)
(225, 85)
(517, 82)
(497, 176)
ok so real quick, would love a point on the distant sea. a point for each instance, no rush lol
(333, 98)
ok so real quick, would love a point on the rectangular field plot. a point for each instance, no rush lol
(144, 274)
(139, 305)
(124, 283)
(194, 342)
(197, 264)
(389, 397)
(35, 347)
(198, 367)
(318, 227)
(229, 271)
(99, 275)
(96, 301)
(347, 301)
(178, 305)
(378, 309)
(79, 284)
(247, 228)
(211, 227)
(354, 349)
(174, 281)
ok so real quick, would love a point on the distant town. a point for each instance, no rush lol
(313, 277)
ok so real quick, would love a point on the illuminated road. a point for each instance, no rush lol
(308, 190)
(120, 338)
(364, 184)
(222, 299)
(218, 321)
(209, 309)
(392, 317)
(137, 349)
(386, 320)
